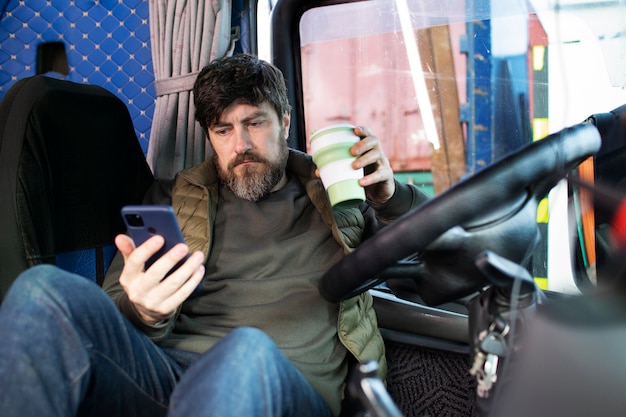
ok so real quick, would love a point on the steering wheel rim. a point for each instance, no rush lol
(529, 172)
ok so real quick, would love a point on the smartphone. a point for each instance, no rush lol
(143, 222)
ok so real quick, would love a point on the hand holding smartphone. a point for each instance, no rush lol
(143, 222)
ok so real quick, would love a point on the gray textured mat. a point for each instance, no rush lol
(426, 382)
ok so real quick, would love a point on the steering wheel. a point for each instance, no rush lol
(501, 198)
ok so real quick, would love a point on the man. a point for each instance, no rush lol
(240, 328)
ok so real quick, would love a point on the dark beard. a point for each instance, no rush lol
(256, 181)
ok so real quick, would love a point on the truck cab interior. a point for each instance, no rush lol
(509, 114)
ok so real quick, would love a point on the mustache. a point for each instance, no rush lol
(246, 157)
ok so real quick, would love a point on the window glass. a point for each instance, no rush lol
(404, 68)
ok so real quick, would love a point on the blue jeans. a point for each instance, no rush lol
(66, 350)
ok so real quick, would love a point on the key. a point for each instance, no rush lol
(494, 344)
(478, 364)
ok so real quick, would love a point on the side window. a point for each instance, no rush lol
(452, 86)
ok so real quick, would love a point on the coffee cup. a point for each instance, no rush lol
(330, 148)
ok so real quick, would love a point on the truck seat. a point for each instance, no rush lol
(69, 160)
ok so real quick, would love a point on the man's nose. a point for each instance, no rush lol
(242, 141)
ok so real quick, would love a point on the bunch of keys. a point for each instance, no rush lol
(491, 348)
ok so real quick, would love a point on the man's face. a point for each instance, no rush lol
(250, 149)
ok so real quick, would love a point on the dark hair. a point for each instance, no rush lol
(240, 78)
